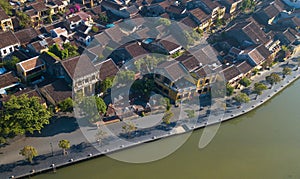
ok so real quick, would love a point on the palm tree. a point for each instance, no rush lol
(28, 152)
(64, 144)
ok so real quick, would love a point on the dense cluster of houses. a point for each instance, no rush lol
(247, 43)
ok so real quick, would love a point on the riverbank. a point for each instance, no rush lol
(85, 151)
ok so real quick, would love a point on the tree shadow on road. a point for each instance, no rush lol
(58, 125)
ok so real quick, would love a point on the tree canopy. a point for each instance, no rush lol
(286, 71)
(64, 144)
(6, 7)
(106, 84)
(67, 51)
(11, 63)
(245, 82)
(66, 105)
(242, 98)
(23, 114)
(273, 78)
(124, 76)
(28, 152)
(229, 90)
(259, 88)
(24, 19)
(94, 107)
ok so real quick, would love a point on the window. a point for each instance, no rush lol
(10, 49)
(4, 51)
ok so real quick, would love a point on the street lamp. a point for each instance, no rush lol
(51, 148)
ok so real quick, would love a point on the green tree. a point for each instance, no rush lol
(103, 18)
(64, 145)
(100, 135)
(94, 107)
(11, 63)
(248, 4)
(6, 7)
(29, 153)
(259, 88)
(106, 84)
(189, 40)
(167, 117)
(164, 21)
(125, 76)
(70, 49)
(23, 114)
(24, 19)
(190, 113)
(286, 71)
(245, 82)
(129, 128)
(66, 105)
(273, 78)
(166, 103)
(229, 90)
(242, 98)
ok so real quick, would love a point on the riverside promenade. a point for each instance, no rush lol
(86, 150)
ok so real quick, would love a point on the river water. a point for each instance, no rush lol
(264, 143)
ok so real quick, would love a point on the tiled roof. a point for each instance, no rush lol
(31, 63)
(230, 72)
(199, 14)
(8, 38)
(56, 91)
(30, 92)
(189, 62)
(135, 50)
(39, 6)
(25, 36)
(3, 15)
(8, 79)
(173, 70)
(189, 22)
(79, 66)
(244, 67)
(107, 69)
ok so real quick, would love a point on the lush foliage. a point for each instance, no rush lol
(64, 144)
(29, 153)
(248, 4)
(100, 135)
(22, 114)
(286, 71)
(11, 64)
(92, 107)
(106, 84)
(245, 82)
(66, 105)
(191, 37)
(229, 90)
(103, 18)
(259, 88)
(67, 51)
(125, 76)
(242, 98)
(167, 117)
(6, 7)
(273, 78)
(128, 128)
(143, 87)
(166, 103)
(190, 113)
(24, 19)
